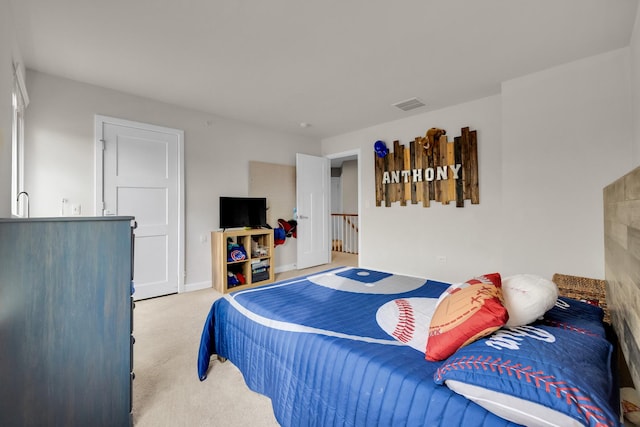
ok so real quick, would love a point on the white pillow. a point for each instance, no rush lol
(512, 408)
(527, 297)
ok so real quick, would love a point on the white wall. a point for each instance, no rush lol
(547, 147)
(336, 194)
(566, 135)
(349, 181)
(592, 135)
(410, 239)
(59, 149)
(8, 54)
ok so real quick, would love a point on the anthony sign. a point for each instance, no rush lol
(431, 168)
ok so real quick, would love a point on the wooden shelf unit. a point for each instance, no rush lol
(249, 239)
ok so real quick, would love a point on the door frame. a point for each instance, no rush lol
(100, 121)
(350, 153)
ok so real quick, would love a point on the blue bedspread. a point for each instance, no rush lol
(321, 357)
(314, 347)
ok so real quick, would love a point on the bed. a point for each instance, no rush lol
(347, 347)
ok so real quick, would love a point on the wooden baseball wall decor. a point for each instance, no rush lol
(431, 168)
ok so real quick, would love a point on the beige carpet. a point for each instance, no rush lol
(167, 391)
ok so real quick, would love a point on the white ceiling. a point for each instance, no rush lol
(336, 64)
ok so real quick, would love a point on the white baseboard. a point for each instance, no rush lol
(190, 287)
(283, 268)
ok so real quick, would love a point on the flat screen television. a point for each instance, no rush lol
(243, 212)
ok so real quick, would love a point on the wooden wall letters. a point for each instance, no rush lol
(431, 168)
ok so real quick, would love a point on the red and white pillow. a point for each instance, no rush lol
(465, 313)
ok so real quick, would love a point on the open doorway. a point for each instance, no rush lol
(345, 206)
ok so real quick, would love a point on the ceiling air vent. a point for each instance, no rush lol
(409, 104)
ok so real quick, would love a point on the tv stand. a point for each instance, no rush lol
(256, 269)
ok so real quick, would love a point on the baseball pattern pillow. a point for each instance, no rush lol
(407, 320)
(467, 312)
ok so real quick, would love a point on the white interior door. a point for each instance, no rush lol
(141, 177)
(313, 191)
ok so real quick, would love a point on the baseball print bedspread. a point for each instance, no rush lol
(347, 347)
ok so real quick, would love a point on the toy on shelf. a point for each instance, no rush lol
(235, 252)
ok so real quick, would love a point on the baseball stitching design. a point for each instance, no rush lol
(404, 329)
(569, 327)
(571, 395)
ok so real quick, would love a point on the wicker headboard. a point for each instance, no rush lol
(583, 288)
(622, 264)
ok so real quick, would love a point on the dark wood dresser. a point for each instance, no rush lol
(66, 344)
